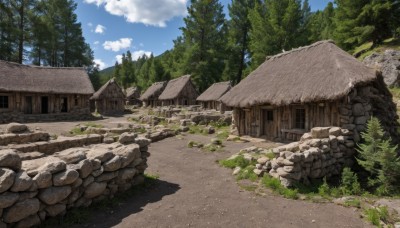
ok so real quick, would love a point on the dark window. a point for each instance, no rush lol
(3, 101)
(76, 100)
(270, 115)
(300, 118)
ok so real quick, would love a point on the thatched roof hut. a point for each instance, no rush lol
(109, 99)
(132, 96)
(179, 91)
(321, 71)
(314, 86)
(37, 79)
(210, 97)
(150, 96)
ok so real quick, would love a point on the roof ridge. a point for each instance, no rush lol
(43, 67)
(273, 57)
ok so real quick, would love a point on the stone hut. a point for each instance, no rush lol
(179, 91)
(133, 96)
(33, 93)
(314, 86)
(210, 98)
(150, 96)
(109, 99)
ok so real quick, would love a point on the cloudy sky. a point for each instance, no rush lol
(112, 27)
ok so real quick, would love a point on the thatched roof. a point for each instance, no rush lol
(60, 80)
(321, 71)
(174, 88)
(101, 93)
(153, 90)
(132, 92)
(215, 91)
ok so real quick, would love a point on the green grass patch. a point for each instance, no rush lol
(353, 203)
(275, 185)
(222, 135)
(239, 161)
(247, 173)
(377, 214)
(192, 144)
(387, 44)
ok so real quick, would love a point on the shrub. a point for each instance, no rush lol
(379, 158)
(239, 161)
(247, 173)
(349, 183)
(276, 186)
(375, 215)
(324, 190)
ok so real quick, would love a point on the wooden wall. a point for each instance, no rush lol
(187, 96)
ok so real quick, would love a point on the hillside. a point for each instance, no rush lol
(365, 50)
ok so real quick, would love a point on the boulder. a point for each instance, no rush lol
(142, 142)
(127, 138)
(127, 154)
(54, 210)
(72, 155)
(113, 164)
(16, 128)
(335, 131)
(388, 64)
(7, 177)
(22, 182)
(10, 159)
(21, 210)
(43, 179)
(50, 164)
(106, 176)
(30, 221)
(358, 110)
(69, 176)
(8, 198)
(95, 189)
(320, 132)
(84, 168)
(262, 160)
(126, 174)
(53, 195)
(101, 153)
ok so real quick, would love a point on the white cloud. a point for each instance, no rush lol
(118, 44)
(96, 42)
(100, 64)
(140, 53)
(119, 58)
(100, 29)
(148, 12)
(90, 24)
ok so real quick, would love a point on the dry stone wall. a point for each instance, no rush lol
(32, 190)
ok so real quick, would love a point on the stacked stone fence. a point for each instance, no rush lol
(32, 190)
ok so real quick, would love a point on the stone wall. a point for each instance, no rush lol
(321, 153)
(32, 190)
(8, 117)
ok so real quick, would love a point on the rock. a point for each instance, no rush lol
(43, 179)
(286, 182)
(236, 171)
(101, 153)
(50, 164)
(72, 155)
(8, 198)
(98, 172)
(10, 159)
(216, 142)
(210, 130)
(84, 168)
(56, 209)
(127, 138)
(335, 131)
(95, 189)
(69, 176)
(96, 163)
(142, 142)
(262, 160)
(53, 195)
(184, 128)
(22, 182)
(77, 183)
(248, 157)
(388, 64)
(87, 181)
(16, 128)
(31, 221)
(126, 174)
(295, 157)
(305, 137)
(113, 164)
(107, 176)
(21, 210)
(26, 195)
(128, 154)
(7, 177)
(361, 120)
(358, 110)
(108, 140)
(258, 172)
(320, 132)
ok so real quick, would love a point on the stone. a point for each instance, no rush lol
(126, 174)
(108, 140)
(236, 171)
(43, 179)
(8, 198)
(27, 195)
(95, 189)
(142, 142)
(77, 183)
(101, 153)
(7, 177)
(53, 195)
(128, 153)
(138, 180)
(335, 131)
(388, 63)
(305, 137)
(348, 127)
(10, 159)
(210, 130)
(98, 172)
(96, 163)
(113, 164)
(295, 157)
(315, 142)
(106, 176)
(16, 128)
(286, 182)
(292, 169)
(358, 109)
(72, 155)
(282, 173)
(22, 182)
(31, 221)
(308, 157)
(54, 210)
(361, 120)
(258, 172)
(262, 160)
(53, 166)
(67, 177)
(320, 132)
(84, 168)
(127, 138)
(21, 210)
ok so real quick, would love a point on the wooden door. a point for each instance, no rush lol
(64, 104)
(45, 105)
(28, 105)
(268, 123)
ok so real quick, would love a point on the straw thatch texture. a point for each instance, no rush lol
(23, 78)
(132, 92)
(174, 88)
(104, 92)
(321, 71)
(153, 90)
(215, 91)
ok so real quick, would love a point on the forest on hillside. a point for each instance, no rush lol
(212, 47)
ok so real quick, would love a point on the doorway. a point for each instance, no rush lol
(268, 123)
(28, 105)
(45, 105)
(64, 104)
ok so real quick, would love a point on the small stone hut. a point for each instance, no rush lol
(314, 86)
(33, 93)
(150, 96)
(179, 91)
(109, 99)
(210, 98)
(133, 96)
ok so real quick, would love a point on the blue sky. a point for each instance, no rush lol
(112, 27)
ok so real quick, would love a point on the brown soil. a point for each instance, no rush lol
(194, 191)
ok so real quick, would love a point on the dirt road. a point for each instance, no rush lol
(194, 191)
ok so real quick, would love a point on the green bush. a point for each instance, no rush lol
(379, 158)
(239, 161)
(349, 183)
(375, 215)
(276, 186)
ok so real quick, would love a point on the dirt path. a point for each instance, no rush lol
(194, 191)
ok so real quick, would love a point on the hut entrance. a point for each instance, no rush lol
(45, 105)
(64, 104)
(28, 105)
(268, 122)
